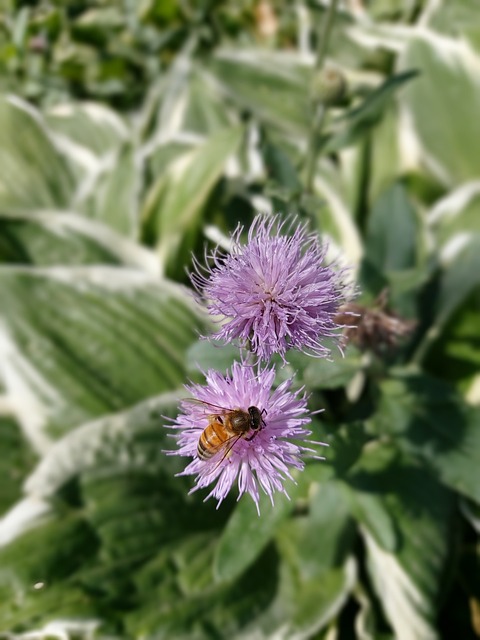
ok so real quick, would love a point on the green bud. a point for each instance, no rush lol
(329, 86)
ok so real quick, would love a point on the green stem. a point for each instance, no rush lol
(314, 146)
(320, 110)
(325, 35)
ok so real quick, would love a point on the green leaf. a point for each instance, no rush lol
(428, 418)
(321, 540)
(449, 133)
(34, 174)
(218, 611)
(331, 374)
(459, 279)
(206, 354)
(247, 534)
(408, 581)
(457, 213)
(367, 496)
(392, 231)
(206, 111)
(358, 121)
(64, 543)
(15, 461)
(82, 342)
(137, 437)
(175, 202)
(304, 606)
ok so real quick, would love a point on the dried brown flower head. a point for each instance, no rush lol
(373, 328)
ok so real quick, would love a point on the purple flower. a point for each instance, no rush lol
(263, 455)
(275, 292)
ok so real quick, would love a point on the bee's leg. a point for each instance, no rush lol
(251, 437)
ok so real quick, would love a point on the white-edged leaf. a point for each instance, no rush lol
(456, 213)
(114, 194)
(408, 580)
(79, 342)
(271, 84)
(109, 437)
(175, 201)
(23, 516)
(48, 238)
(87, 124)
(446, 126)
(33, 172)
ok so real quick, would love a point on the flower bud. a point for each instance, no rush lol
(328, 86)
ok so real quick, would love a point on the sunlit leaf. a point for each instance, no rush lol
(134, 331)
(408, 581)
(172, 210)
(45, 238)
(446, 126)
(256, 80)
(33, 174)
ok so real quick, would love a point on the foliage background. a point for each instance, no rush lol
(131, 133)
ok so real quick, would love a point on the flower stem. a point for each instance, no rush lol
(320, 109)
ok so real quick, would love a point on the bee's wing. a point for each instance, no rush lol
(226, 447)
(217, 408)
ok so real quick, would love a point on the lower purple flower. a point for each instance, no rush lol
(253, 435)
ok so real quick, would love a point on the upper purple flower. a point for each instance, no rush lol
(275, 291)
(260, 457)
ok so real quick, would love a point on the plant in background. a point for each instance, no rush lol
(101, 206)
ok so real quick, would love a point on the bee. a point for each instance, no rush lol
(225, 429)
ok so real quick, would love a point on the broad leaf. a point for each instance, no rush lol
(88, 124)
(428, 418)
(409, 580)
(15, 461)
(459, 280)
(449, 70)
(115, 195)
(34, 174)
(247, 534)
(46, 239)
(81, 342)
(392, 231)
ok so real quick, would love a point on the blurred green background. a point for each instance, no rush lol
(131, 135)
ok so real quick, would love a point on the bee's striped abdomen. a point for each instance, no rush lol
(211, 440)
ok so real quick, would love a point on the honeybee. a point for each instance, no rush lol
(225, 428)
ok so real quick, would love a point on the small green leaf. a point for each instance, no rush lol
(363, 118)
(392, 231)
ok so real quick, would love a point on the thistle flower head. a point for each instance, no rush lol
(259, 458)
(275, 292)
